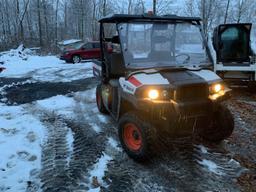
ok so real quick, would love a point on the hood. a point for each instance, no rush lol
(169, 78)
(176, 78)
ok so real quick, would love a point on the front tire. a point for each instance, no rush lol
(217, 127)
(137, 136)
(76, 59)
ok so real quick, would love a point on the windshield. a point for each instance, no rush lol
(147, 45)
(235, 42)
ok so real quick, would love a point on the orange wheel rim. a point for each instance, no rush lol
(132, 137)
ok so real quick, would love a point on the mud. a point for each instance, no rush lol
(188, 164)
(26, 91)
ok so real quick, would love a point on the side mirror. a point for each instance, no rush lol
(82, 48)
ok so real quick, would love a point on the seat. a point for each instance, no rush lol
(161, 56)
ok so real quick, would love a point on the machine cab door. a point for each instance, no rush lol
(232, 42)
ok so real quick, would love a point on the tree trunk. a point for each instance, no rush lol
(56, 23)
(39, 23)
(226, 12)
(154, 7)
(46, 22)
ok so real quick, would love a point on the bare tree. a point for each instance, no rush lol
(226, 12)
(39, 22)
(45, 22)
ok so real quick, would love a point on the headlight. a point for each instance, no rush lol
(216, 91)
(153, 94)
(216, 88)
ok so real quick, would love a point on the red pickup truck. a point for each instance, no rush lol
(90, 50)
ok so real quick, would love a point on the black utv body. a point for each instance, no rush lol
(158, 80)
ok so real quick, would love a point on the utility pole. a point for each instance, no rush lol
(154, 7)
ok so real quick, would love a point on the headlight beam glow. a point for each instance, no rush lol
(153, 94)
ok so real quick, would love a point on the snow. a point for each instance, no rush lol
(211, 166)
(102, 118)
(113, 143)
(60, 104)
(95, 127)
(70, 41)
(21, 137)
(20, 63)
(70, 140)
(94, 190)
(203, 149)
(99, 169)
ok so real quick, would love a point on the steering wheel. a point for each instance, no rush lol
(183, 55)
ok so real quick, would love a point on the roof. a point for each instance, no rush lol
(70, 41)
(117, 18)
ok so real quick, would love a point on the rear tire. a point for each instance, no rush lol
(76, 59)
(99, 101)
(217, 127)
(137, 136)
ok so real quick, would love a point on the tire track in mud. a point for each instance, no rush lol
(59, 171)
(55, 174)
(243, 141)
(179, 167)
(176, 170)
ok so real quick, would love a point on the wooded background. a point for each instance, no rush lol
(42, 23)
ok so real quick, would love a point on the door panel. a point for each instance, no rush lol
(232, 42)
(87, 51)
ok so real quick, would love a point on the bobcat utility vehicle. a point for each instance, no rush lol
(236, 61)
(157, 81)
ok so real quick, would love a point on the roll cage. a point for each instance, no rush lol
(124, 18)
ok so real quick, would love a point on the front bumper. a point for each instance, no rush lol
(65, 57)
(172, 109)
(179, 118)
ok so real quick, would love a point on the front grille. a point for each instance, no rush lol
(192, 92)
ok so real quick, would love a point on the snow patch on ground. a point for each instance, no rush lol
(98, 171)
(87, 96)
(95, 127)
(60, 104)
(102, 118)
(113, 143)
(70, 140)
(203, 149)
(211, 166)
(21, 137)
(22, 63)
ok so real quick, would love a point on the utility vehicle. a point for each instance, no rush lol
(157, 81)
(236, 60)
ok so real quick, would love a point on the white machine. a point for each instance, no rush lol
(235, 57)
